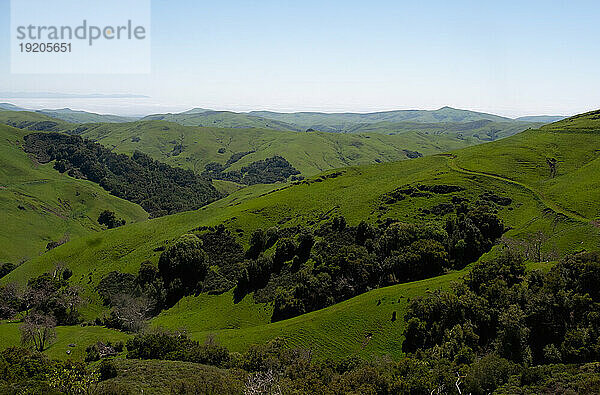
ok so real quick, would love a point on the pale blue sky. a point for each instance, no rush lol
(507, 57)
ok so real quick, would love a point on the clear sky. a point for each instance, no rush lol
(507, 57)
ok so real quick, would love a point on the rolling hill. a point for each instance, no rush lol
(559, 203)
(443, 120)
(309, 152)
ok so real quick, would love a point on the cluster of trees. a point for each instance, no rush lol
(236, 157)
(54, 244)
(307, 271)
(132, 299)
(159, 188)
(47, 301)
(511, 318)
(177, 347)
(109, 219)
(299, 269)
(207, 262)
(267, 171)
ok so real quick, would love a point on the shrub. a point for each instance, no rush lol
(107, 370)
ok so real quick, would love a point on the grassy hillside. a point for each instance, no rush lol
(360, 326)
(40, 205)
(33, 121)
(79, 336)
(526, 158)
(515, 167)
(162, 377)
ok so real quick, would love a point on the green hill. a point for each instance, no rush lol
(569, 146)
(310, 153)
(194, 147)
(40, 205)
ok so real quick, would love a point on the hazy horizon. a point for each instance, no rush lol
(145, 106)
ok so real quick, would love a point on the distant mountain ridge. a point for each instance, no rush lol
(397, 121)
(443, 119)
(444, 114)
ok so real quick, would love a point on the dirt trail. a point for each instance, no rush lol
(548, 203)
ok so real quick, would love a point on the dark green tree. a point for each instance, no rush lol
(182, 267)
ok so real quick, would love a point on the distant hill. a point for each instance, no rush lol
(443, 120)
(33, 121)
(10, 107)
(541, 118)
(339, 122)
(310, 152)
(483, 130)
(223, 119)
(487, 126)
(72, 116)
